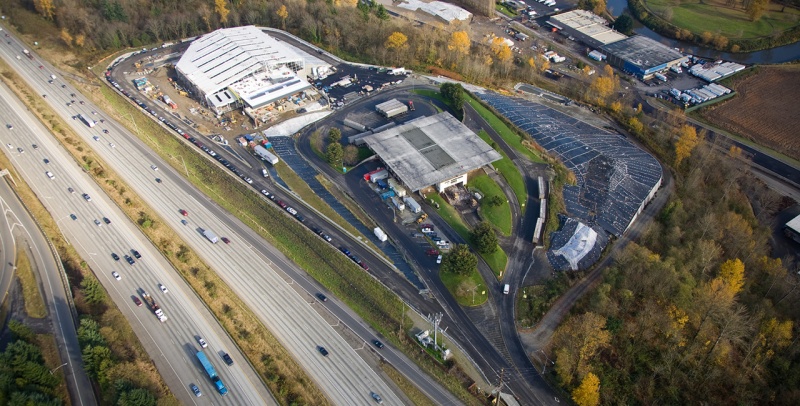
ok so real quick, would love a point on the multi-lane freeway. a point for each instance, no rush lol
(248, 264)
(172, 344)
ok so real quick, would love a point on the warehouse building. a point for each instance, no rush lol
(586, 27)
(448, 13)
(391, 108)
(240, 67)
(437, 151)
(792, 229)
(641, 56)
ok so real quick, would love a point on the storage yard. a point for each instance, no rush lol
(764, 110)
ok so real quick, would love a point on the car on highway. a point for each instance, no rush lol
(225, 240)
(46, 161)
(163, 288)
(72, 216)
(377, 397)
(153, 167)
(158, 180)
(111, 144)
(184, 212)
(105, 131)
(196, 390)
(97, 222)
(364, 265)
(202, 342)
(87, 197)
(35, 146)
(116, 275)
(136, 254)
(50, 175)
(20, 150)
(106, 220)
(129, 259)
(322, 297)
(378, 343)
(115, 256)
(184, 222)
(264, 192)
(71, 190)
(227, 358)
(9, 146)
(322, 351)
(136, 300)
(439, 259)
(326, 237)
(96, 138)
(9, 126)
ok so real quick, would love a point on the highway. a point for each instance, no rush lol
(172, 345)
(18, 228)
(248, 265)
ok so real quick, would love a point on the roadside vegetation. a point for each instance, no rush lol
(515, 140)
(34, 303)
(508, 170)
(459, 273)
(494, 206)
(25, 366)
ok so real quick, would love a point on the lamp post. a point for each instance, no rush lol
(56, 368)
(544, 367)
(473, 293)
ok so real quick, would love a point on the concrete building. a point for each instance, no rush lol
(586, 27)
(449, 13)
(641, 56)
(436, 151)
(240, 67)
(792, 229)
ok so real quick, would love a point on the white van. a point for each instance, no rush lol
(506, 288)
(265, 173)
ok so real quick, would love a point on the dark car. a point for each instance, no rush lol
(300, 218)
(378, 343)
(345, 251)
(46, 161)
(106, 220)
(282, 204)
(72, 216)
(129, 259)
(226, 240)
(364, 265)
(227, 358)
(136, 300)
(322, 351)
(322, 297)
(136, 254)
(115, 256)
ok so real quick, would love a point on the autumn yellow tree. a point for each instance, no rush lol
(45, 8)
(80, 40)
(732, 274)
(588, 392)
(459, 43)
(616, 107)
(687, 141)
(283, 14)
(222, 11)
(397, 41)
(66, 37)
(349, 3)
(576, 342)
(635, 125)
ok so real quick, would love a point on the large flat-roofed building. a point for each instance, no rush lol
(585, 26)
(792, 229)
(449, 13)
(240, 67)
(641, 56)
(434, 151)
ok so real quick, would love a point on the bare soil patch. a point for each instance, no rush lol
(765, 111)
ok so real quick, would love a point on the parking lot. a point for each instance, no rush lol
(359, 77)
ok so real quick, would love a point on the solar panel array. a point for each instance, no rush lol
(614, 177)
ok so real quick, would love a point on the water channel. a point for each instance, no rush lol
(781, 54)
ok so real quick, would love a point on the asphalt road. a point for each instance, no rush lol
(248, 265)
(172, 345)
(17, 221)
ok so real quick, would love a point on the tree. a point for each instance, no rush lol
(484, 238)
(89, 333)
(45, 8)
(397, 41)
(623, 24)
(92, 290)
(66, 37)
(706, 36)
(731, 272)
(588, 392)
(576, 342)
(720, 42)
(459, 43)
(381, 13)
(334, 154)
(459, 261)
(80, 40)
(635, 125)
(137, 397)
(453, 93)
(334, 135)
(350, 155)
(755, 9)
(687, 141)
(283, 14)
(500, 49)
(222, 11)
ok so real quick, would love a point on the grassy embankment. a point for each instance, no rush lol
(508, 170)
(34, 303)
(377, 305)
(499, 216)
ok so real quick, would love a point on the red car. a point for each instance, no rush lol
(226, 240)
(184, 212)
(432, 252)
(136, 300)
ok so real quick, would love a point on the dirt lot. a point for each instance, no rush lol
(765, 111)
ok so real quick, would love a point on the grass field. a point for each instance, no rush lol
(764, 111)
(499, 216)
(508, 170)
(34, 303)
(465, 297)
(715, 17)
(509, 136)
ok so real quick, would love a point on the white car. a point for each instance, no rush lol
(97, 222)
(439, 259)
(116, 276)
(111, 144)
(96, 138)
(202, 342)
(10, 146)
(163, 288)
(50, 175)
(153, 167)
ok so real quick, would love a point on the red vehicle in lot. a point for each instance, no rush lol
(282, 204)
(432, 251)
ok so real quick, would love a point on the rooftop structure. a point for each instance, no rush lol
(391, 108)
(641, 56)
(586, 26)
(615, 179)
(447, 12)
(241, 65)
(434, 150)
(792, 229)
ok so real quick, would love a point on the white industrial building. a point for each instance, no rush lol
(241, 67)
(449, 13)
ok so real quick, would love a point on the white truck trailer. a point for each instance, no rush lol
(380, 234)
(412, 204)
(265, 155)
(210, 236)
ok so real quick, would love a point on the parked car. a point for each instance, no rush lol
(322, 297)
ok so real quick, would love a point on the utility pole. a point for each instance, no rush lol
(437, 318)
